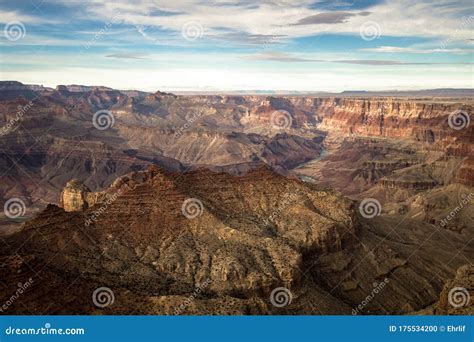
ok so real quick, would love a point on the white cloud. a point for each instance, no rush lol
(398, 49)
(396, 18)
(221, 18)
(9, 16)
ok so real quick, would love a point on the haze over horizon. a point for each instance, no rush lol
(450, 91)
(305, 46)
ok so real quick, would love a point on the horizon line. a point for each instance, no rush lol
(188, 91)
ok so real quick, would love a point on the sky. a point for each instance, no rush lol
(225, 45)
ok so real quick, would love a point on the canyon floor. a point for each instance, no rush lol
(125, 202)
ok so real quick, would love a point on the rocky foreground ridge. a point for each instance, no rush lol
(157, 238)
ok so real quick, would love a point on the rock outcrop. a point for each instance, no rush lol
(75, 196)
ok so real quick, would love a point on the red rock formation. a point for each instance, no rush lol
(399, 118)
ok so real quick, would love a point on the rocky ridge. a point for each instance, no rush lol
(158, 236)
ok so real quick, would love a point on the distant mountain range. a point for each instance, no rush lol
(14, 88)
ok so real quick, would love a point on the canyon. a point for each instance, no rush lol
(277, 183)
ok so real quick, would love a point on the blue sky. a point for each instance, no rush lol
(219, 45)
